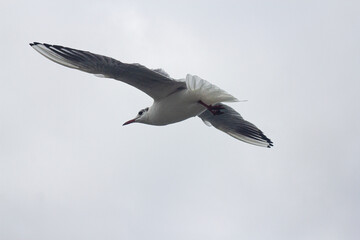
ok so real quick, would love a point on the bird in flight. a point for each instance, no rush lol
(174, 100)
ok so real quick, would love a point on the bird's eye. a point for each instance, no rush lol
(141, 112)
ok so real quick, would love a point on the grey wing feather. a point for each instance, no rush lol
(233, 124)
(161, 71)
(155, 84)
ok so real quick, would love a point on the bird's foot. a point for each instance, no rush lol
(215, 110)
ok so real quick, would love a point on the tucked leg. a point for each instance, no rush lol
(215, 110)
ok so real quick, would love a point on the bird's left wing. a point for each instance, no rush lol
(155, 83)
(231, 122)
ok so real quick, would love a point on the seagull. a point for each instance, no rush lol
(174, 100)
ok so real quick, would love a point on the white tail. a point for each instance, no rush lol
(207, 92)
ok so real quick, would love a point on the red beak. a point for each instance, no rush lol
(130, 121)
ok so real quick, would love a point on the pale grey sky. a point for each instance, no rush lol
(69, 170)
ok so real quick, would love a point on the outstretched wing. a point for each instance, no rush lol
(154, 83)
(233, 124)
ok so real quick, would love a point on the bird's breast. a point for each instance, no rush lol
(174, 108)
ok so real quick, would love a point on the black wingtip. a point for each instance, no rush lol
(34, 43)
(263, 137)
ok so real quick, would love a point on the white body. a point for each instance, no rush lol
(184, 104)
(175, 108)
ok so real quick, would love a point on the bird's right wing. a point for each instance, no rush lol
(231, 122)
(155, 83)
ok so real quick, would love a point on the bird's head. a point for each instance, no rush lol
(140, 117)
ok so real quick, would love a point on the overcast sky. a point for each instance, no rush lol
(70, 170)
